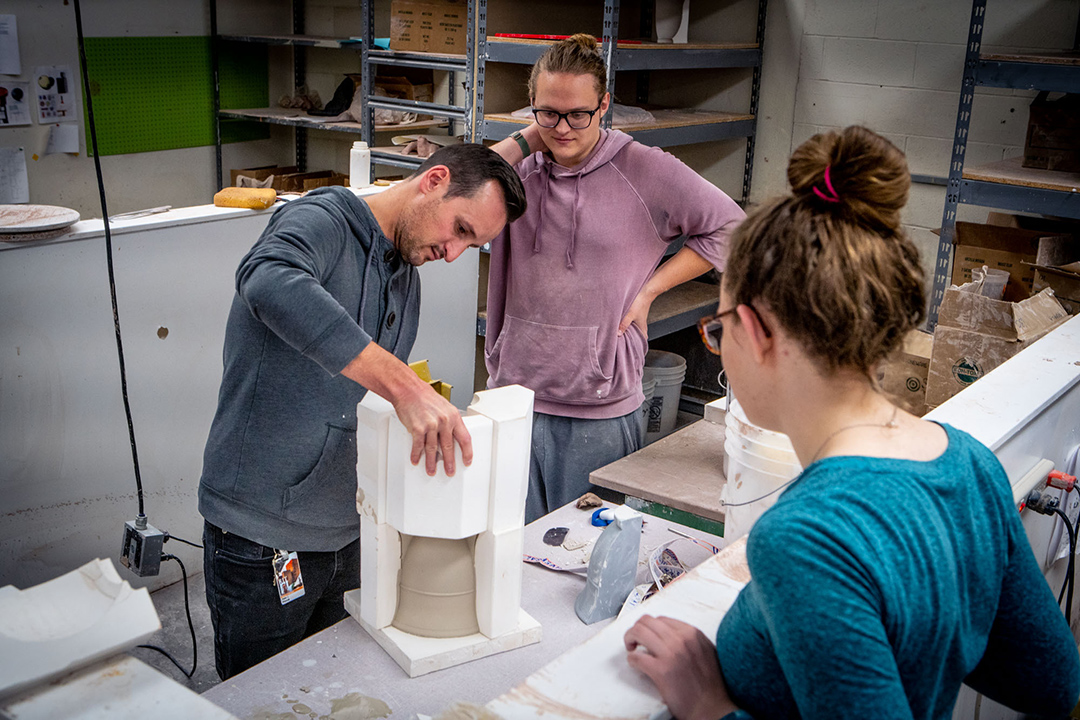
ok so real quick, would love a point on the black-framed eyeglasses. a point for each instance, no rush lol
(711, 327)
(576, 119)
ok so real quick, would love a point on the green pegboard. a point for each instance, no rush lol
(156, 93)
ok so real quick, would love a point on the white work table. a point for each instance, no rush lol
(342, 673)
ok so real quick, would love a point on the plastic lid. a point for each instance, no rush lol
(360, 145)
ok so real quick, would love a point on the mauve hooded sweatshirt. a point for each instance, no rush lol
(564, 275)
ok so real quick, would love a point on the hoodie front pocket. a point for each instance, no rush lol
(557, 363)
(326, 497)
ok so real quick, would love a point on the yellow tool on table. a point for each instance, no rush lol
(420, 367)
(254, 198)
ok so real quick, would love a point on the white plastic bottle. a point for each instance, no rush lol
(359, 165)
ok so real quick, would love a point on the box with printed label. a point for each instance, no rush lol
(975, 334)
(437, 26)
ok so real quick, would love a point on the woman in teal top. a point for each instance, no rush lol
(895, 567)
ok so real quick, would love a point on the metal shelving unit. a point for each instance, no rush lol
(302, 122)
(1006, 185)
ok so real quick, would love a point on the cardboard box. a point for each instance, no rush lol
(302, 182)
(975, 334)
(1057, 267)
(903, 376)
(1053, 136)
(260, 173)
(437, 26)
(996, 246)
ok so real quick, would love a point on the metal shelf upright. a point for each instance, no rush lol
(1006, 184)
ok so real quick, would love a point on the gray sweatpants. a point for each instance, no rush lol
(565, 450)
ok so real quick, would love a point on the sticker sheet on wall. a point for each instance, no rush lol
(56, 94)
(14, 103)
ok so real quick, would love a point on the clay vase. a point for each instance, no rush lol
(437, 590)
(668, 19)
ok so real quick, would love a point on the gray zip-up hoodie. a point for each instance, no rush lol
(321, 282)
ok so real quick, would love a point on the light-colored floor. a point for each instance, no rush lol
(175, 637)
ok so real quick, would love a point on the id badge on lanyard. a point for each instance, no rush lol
(287, 577)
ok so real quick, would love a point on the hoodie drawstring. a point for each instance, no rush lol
(543, 197)
(573, 224)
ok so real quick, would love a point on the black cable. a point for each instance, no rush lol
(1070, 575)
(169, 537)
(108, 253)
(191, 625)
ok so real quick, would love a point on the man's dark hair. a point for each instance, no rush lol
(472, 166)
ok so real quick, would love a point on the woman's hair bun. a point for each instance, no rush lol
(852, 171)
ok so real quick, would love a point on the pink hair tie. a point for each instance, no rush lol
(829, 186)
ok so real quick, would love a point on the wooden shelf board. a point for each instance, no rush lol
(454, 57)
(292, 116)
(690, 295)
(664, 119)
(1045, 58)
(325, 41)
(637, 45)
(1011, 172)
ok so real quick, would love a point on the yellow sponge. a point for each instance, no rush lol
(255, 198)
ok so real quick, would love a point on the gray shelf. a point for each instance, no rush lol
(1006, 184)
(672, 127)
(1056, 73)
(431, 61)
(318, 41)
(638, 56)
(300, 119)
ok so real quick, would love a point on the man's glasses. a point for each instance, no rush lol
(712, 328)
(576, 119)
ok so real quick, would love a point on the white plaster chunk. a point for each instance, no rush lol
(439, 506)
(510, 408)
(68, 622)
(421, 655)
(498, 580)
(373, 415)
(380, 560)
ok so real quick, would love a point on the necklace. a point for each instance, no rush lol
(891, 424)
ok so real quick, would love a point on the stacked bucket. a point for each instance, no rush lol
(757, 463)
(662, 385)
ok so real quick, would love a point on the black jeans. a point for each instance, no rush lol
(250, 623)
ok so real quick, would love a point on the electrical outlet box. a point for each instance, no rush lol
(1033, 479)
(141, 551)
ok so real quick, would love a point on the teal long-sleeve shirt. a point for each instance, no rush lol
(880, 585)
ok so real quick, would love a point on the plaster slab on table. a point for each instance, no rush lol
(68, 622)
(113, 689)
(421, 655)
(594, 680)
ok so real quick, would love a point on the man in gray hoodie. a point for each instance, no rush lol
(326, 308)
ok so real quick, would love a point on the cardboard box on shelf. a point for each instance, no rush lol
(437, 26)
(1053, 135)
(302, 182)
(997, 246)
(260, 173)
(975, 334)
(1057, 266)
(903, 376)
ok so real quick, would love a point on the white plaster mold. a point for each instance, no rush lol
(484, 502)
(68, 622)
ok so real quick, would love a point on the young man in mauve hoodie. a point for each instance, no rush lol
(572, 280)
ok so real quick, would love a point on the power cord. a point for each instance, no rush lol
(191, 625)
(169, 537)
(1046, 504)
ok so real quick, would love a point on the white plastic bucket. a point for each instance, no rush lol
(648, 386)
(668, 370)
(757, 464)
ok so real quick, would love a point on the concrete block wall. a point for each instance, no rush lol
(896, 67)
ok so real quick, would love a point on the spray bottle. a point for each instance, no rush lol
(612, 568)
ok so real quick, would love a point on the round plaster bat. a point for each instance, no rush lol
(45, 81)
